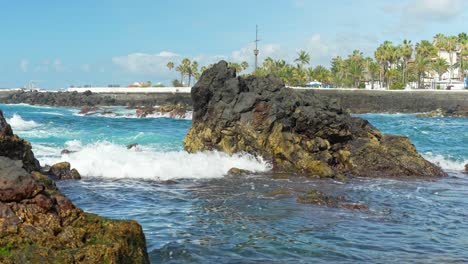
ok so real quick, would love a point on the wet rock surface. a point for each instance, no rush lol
(296, 131)
(16, 148)
(170, 110)
(63, 171)
(38, 224)
(457, 111)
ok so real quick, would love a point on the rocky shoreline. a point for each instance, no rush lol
(299, 133)
(38, 224)
(354, 101)
(75, 99)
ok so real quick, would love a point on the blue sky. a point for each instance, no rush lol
(62, 43)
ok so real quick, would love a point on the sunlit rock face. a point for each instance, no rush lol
(297, 132)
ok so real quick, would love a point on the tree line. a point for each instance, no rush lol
(392, 66)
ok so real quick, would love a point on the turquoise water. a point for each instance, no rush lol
(203, 216)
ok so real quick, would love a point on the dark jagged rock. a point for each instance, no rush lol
(466, 168)
(66, 152)
(169, 110)
(457, 111)
(38, 224)
(296, 131)
(133, 145)
(16, 148)
(63, 171)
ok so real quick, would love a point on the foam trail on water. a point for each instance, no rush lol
(18, 123)
(104, 159)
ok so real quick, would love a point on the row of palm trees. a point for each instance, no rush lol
(189, 69)
(392, 66)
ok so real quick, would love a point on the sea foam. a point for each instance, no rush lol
(18, 123)
(104, 159)
(446, 163)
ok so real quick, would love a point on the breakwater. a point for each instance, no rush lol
(356, 101)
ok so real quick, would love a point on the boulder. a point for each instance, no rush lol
(296, 132)
(466, 168)
(62, 171)
(238, 172)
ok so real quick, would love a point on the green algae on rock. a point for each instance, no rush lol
(297, 132)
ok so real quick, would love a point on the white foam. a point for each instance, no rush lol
(104, 159)
(186, 116)
(18, 123)
(445, 163)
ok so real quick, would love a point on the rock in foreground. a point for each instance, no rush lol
(38, 224)
(296, 131)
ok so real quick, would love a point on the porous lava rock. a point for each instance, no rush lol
(296, 132)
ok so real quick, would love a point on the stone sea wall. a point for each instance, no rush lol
(356, 101)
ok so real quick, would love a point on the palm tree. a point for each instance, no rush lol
(181, 69)
(244, 65)
(170, 65)
(302, 58)
(426, 49)
(191, 70)
(421, 65)
(406, 51)
(451, 46)
(463, 40)
(386, 54)
(440, 66)
(373, 68)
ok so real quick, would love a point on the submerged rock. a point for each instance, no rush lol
(238, 172)
(63, 171)
(38, 224)
(296, 131)
(320, 198)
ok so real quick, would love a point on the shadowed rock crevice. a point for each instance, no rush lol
(296, 131)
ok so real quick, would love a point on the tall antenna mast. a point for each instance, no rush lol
(256, 47)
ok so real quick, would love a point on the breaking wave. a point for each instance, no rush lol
(18, 123)
(104, 159)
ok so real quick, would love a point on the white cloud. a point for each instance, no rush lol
(24, 65)
(168, 54)
(417, 14)
(58, 66)
(436, 9)
(144, 63)
(86, 67)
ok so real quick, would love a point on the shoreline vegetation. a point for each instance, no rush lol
(393, 66)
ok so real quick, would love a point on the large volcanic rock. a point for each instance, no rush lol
(38, 224)
(297, 132)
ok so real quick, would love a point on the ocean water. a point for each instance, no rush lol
(191, 212)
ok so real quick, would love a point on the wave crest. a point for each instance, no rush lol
(109, 160)
(18, 123)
